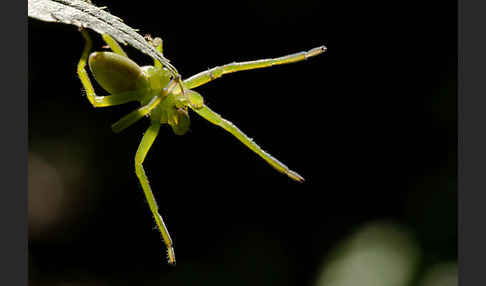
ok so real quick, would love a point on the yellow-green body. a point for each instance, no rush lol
(118, 74)
(166, 101)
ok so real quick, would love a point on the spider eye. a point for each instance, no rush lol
(183, 122)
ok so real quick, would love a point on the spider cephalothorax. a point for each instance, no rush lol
(166, 99)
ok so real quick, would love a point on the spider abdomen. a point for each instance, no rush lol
(115, 73)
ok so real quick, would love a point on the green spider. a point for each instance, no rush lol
(160, 96)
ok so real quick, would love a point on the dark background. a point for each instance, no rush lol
(370, 124)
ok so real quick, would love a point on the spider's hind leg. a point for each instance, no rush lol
(157, 43)
(114, 46)
(82, 74)
(99, 101)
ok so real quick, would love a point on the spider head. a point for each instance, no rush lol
(175, 109)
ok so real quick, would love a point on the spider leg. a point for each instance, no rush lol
(214, 73)
(98, 101)
(216, 119)
(147, 141)
(114, 46)
(157, 42)
(135, 115)
(117, 99)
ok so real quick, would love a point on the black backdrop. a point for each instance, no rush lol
(370, 124)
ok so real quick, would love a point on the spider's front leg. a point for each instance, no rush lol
(214, 73)
(147, 141)
(198, 106)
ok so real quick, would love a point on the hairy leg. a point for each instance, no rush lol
(135, 115)
(98, 101)
(114, 46)
(216, 119)
(157, 42)
(147, 141)
(214, 73)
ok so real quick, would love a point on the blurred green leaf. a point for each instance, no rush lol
(377, 254)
